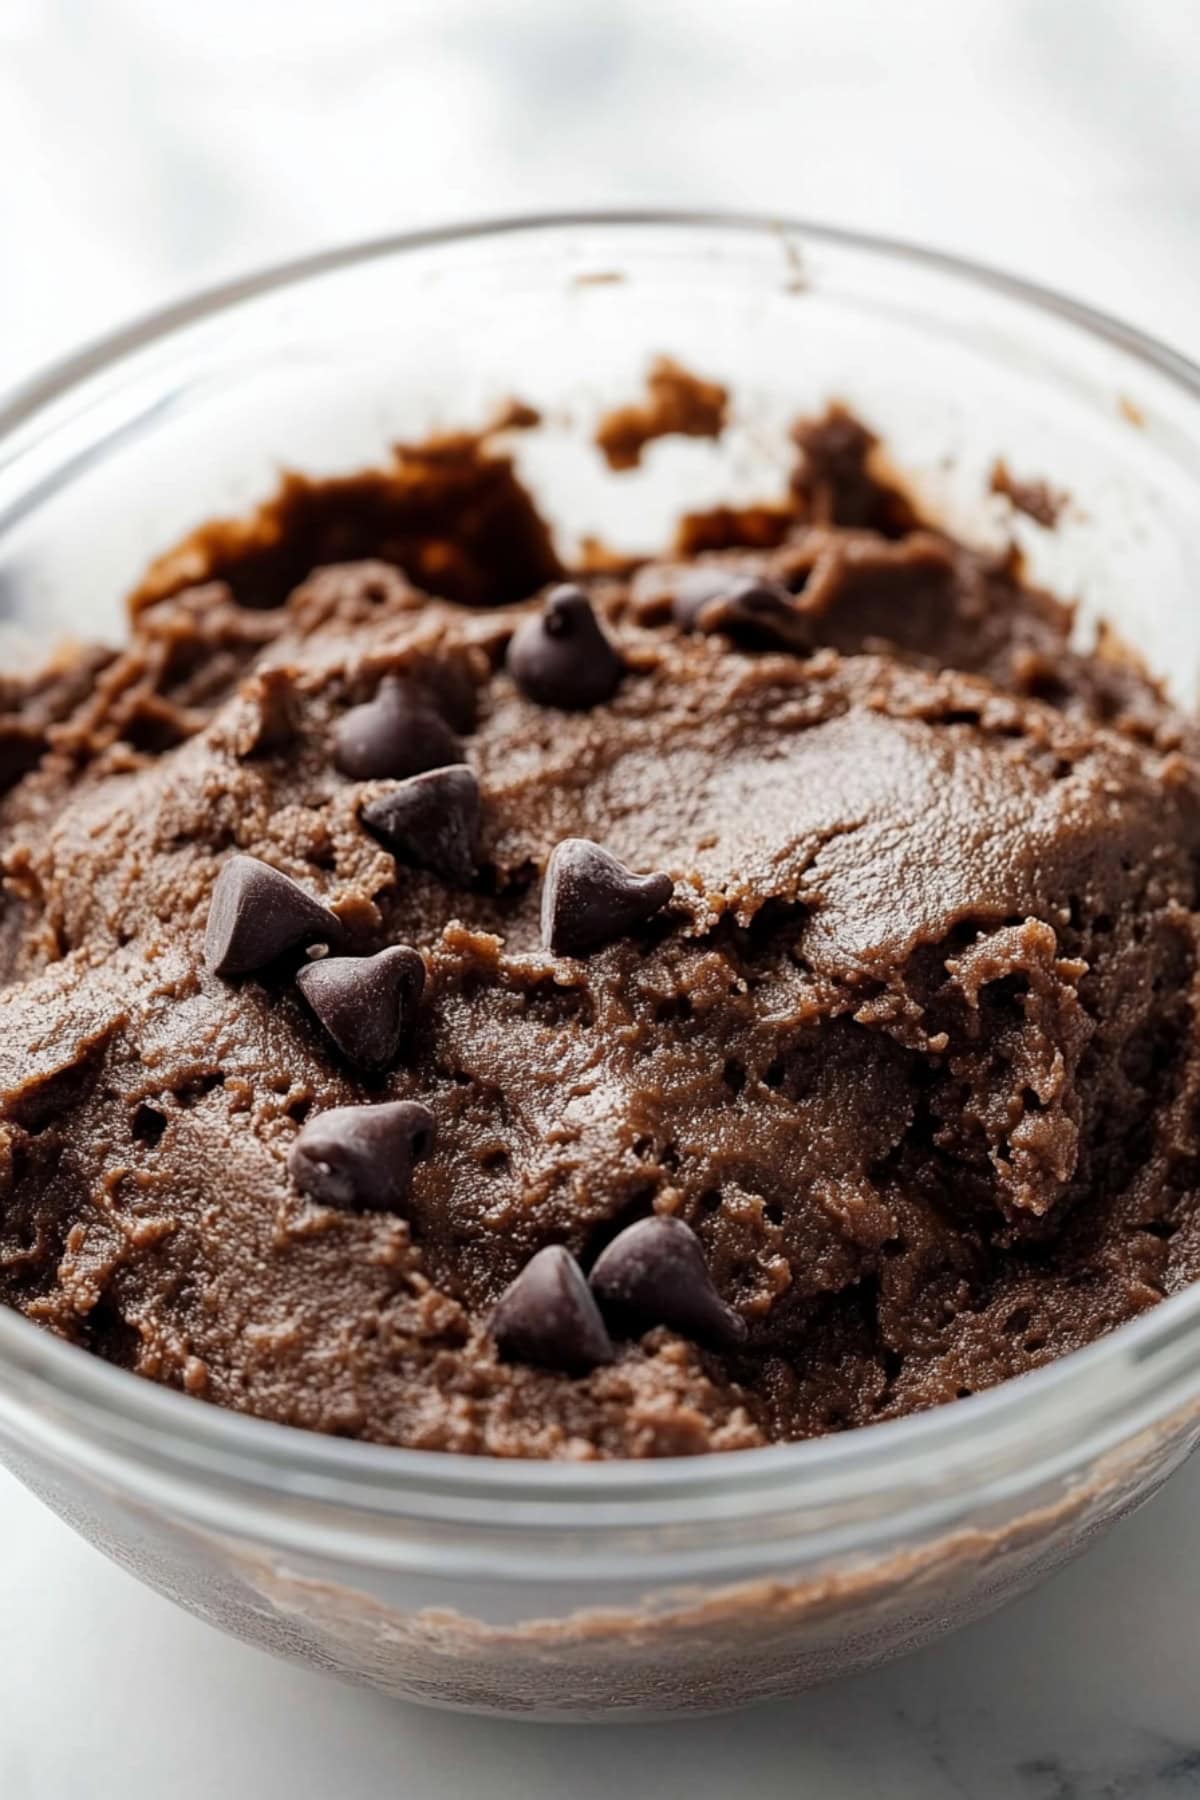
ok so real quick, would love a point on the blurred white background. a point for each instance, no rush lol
(150, 146)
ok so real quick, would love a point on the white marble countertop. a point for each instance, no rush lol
(149, 147)
(1088, 1689)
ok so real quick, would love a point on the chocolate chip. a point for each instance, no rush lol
(362, 1156)
(562, 657)
(431, 820)
(257, 913)
(654, 1273)
(696, 589)
(548, 1316)
(748, 608)
(589, 898)
(397, 733)
(365, 1003)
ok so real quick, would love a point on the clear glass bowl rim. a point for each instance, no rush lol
(943, 1462)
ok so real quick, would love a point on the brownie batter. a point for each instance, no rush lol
(715, 1005)
(678, 403)
(1036, 499)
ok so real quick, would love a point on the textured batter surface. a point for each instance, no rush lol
(913, 1048)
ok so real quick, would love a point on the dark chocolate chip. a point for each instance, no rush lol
(397, 733)
(589, 898)
(365, 1003)
(749, 608)
(257, 913)
(548, 1316)
(362, 1156)
(431, 820)
(696, 589)
(562, 658)
(654, 1273)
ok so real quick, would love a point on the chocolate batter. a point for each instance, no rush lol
(1036, 499)
(678, 403)
(735, 1001)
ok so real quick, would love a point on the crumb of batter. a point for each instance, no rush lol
(513, 415)
(677, 404)
(1036, 499)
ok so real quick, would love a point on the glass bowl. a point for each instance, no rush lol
(619, 1589)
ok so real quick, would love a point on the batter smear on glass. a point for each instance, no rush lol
(467, 1004)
